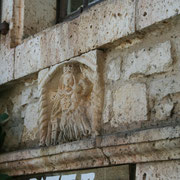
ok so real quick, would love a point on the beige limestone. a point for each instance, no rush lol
(148, 135)
(150, 12)
(130, 104)
(27, 57)
(6, 54)
(7, 65)
(164, 85)
(127, 101)
(114, 70)
(94, 157)
(168, 170)
(78, 36)
(147, 61)
(163, 109)
(30, 122)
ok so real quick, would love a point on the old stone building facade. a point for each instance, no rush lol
(98, 90)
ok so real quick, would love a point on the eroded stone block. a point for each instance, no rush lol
(149, 60)
(30, 116)
(150, 12)
(7, 66)
(165, 85)
(27, 57)
(167, 170)
(106, 22)
(114, 70)
(130, 104)
(163, 109)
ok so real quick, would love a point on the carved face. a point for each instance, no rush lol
(68, 81)
(68, 68)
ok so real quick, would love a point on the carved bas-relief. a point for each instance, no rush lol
(71, 104)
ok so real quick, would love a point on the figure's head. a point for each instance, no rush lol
(68, 68)
(68, 80)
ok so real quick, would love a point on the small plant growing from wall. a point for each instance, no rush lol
(3, 119)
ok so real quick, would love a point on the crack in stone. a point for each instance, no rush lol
(106, 157)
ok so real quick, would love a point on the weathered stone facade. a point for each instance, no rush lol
(100, 90)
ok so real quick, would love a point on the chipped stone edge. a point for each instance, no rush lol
(95, 153)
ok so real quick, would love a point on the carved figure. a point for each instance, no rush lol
(69, 120)
(71, 101)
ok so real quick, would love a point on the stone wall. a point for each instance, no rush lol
(128, 54)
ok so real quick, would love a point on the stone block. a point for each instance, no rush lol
(30, 123)
(150, 12)
(7, 66)
(27, 57)
(148, 61)
(130, 104)
(165, 85)
(6, 54)
(106, 22)
(101, 24)
(167, 170)
(48, 48)
(163, 109)
(114, 70)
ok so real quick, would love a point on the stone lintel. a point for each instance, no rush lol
(95, 153)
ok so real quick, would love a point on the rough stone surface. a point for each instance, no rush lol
(131, 89)
(130, 104)
(6, 54)
(168, 170)
(164, 85)
(155, 59)
(114, 70)
(78, 36)
(107, 113)
(30, 115)
(163, 109)
(35, 15)
(27, 57)
(7, 65)
(150, 12)
(85, 158)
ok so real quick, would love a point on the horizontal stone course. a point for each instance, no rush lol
(91, 156)
(104, 23)
(153, 11)
(93, 28)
